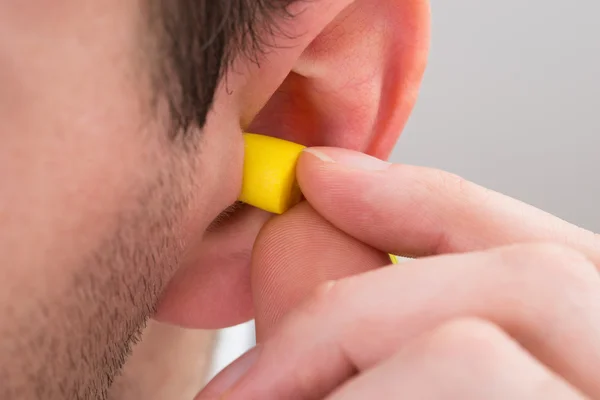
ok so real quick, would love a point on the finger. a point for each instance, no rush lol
(464, 359)
(545, 296)
(296, 252)
(419, 211)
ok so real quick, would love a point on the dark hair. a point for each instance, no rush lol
(198, 40)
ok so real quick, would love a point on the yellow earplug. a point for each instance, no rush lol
(269, 180)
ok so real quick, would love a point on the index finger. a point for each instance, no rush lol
(416, 211)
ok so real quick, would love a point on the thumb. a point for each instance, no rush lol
(296, 252)
(416, 211)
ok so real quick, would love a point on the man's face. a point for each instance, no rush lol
(112, 182)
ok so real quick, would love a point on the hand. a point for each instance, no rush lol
(491, 314)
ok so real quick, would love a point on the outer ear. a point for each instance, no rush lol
(355, 84)
(356, 66)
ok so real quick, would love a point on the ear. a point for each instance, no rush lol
(357, 68)
(339, 73)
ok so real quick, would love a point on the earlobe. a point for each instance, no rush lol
(355, 84)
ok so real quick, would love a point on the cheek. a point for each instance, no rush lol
(217, 180)
(73, 142)
(68, 165)
(217, 177)
(62, 190)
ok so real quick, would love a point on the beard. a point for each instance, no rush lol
(71, 342)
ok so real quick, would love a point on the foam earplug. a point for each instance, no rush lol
(269, 178)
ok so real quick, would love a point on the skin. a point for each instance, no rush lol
(169, 362)
(107, 221)
(500, 302)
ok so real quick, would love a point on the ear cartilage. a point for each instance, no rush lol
(269, 178)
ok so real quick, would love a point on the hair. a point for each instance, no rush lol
(198, 41)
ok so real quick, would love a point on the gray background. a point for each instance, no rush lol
(511, 101)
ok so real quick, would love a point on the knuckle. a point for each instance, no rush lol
(471, 341)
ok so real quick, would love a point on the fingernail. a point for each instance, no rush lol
(221, 385)
(349, 158)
